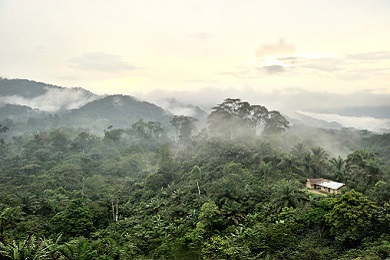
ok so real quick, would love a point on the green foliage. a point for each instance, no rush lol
(184, 126)
(363, 170)
(78, 249)
(8, 221)
(29, 248)
(234, 118)
(351, 218)
(131, 193)
(75, 220)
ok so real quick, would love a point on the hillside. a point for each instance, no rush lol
(117, 110)
(227, 193)
(36, 106)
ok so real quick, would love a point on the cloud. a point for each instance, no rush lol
(279, 49)
(284, 100)
(54, 100)
(359, 122)
(100, 61)
(288, 60)
(378, 55)
(321, 64)
(274, 69)
(240, 73)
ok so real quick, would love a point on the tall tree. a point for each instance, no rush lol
(275, 123)
(75, 220)
(287, 193)
(363, 170)
(319, 161)
(8, 220)
(184, 126)
(337, 168)
(235, 118)
(3, 129)
(351, 218)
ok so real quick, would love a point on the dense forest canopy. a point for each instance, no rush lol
(233, 190)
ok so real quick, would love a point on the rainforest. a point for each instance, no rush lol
(234, 189)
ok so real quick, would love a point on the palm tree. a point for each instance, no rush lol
(288, 194)
(78, 249)
(29, 248)
(299, 151)
(290, 164)
(265, 170)
(338, 168)
(28, 203)
(319, 161)
(8, 218)
(363, 169)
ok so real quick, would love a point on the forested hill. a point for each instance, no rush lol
(116, 110)
(29, 105)
(151, 190)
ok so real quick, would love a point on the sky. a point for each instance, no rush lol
(289, 55)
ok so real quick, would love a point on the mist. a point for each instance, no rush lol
(316, 104)
(358, 122)
(53, 100)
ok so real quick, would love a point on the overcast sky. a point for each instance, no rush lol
(270, 52)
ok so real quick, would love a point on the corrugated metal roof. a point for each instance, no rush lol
(332, 184)
(326, 183)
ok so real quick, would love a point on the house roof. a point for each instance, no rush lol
(326, 183)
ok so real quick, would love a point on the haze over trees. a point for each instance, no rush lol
(171, 190)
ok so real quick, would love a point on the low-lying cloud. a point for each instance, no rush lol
(319, 105)
(54, 100)
(358, 122)
(378, 55)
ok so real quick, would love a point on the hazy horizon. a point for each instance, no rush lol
(288, 55)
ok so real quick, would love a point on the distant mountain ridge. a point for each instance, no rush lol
(39, 106)
(23, 88)
(299, 118)
(118, 110)
(45, 97)
(44, 105)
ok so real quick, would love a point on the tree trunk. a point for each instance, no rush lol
(82, 189)
(197, 184)
(113, 209)
(117, 209)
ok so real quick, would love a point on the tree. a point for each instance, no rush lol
(351, 218)
(231, 118)
(184, 126)
(197, 173)
(380, 192)
(78, 249)
(149, 129)
(259, 116)
(29, 248)
(363, 170)
(236, 118)
(3, 129)
(209, 213)
(319, 161)
(75, 220)
(287, 194)
(338, 168)
(299, 151)
(8, 220)
(275, 123)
